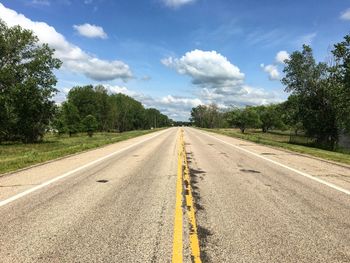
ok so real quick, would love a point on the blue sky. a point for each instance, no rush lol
(176, 54)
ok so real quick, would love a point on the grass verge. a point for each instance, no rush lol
(281, 140)
(14, 156)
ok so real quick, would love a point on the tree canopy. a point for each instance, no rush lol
(112, 112)
(26, 84)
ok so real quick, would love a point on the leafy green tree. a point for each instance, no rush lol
(26, 84)
(244, 118)
(340, 79)
(208, 116)
(103, 108)
(90, 124)
(291, 115)
(84, 99)
(71, 118)
(198, 116)
(59, 122)
(310, 82)
(128, 112)
(154, 118)
(270, 117)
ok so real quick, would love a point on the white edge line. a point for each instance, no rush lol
(42, 185)
(284, 166)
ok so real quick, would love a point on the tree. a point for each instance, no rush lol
(291, 115)
(90, 124)
(198, 116)
(270, 117)
(26, 84)
(71, 118)
(128, 112)
(244, 118)
(340, 78)
(311, 83)
(103, 108)
(84, 99)
(59, 122)
(208, 116)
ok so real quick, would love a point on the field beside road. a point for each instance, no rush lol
(281, 140)
(14, 156)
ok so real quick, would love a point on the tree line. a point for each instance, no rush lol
(265, 117)
(90, 108)
(318, 105)
(27, 88)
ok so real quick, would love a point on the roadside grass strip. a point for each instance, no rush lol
(183, 187)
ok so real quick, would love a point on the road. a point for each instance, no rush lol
(128, 202)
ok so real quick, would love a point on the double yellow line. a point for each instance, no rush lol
(183, 188)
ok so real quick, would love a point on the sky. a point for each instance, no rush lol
(177, 54)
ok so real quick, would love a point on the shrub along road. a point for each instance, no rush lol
(119, 204)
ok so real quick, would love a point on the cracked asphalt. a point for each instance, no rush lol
(122, 208)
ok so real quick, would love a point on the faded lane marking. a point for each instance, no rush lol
(42, 185)
(340, 189)
(194, 241)
(177, 239)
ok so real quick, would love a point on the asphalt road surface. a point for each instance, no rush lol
(118, 204)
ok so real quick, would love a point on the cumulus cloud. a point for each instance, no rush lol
(247, 96)
(272, 70)
(282, 56)
(114, 89)
(90, 31)
(207, 69)
(217, 79)
(345, 15)
(74, 58)
(177, 3)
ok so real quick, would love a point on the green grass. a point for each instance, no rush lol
(281, 140)
(14, 156)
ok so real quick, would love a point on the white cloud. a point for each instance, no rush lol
(121, 89)
(74, 58)
(173, 100)
(90, 31)
(345, 15)
(247, 96)
(272, 70)
(177, 3)
(282, 56)
(218, 80)
(207, 69)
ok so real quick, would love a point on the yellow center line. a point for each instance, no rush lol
(183, 178)
(177, 241)
(194, 241)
